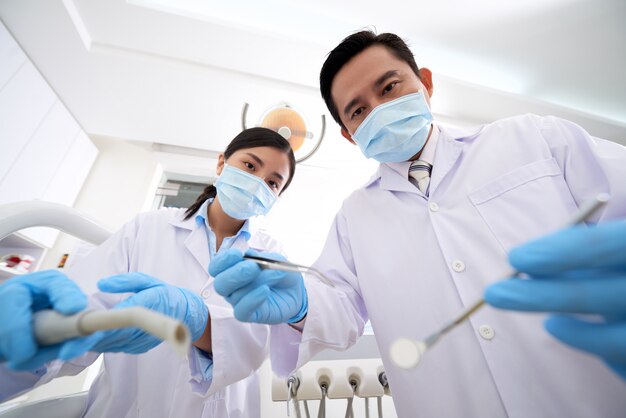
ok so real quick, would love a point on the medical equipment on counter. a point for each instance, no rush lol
(288, 266)
(51, 327)
(335, 379)
(406, 353)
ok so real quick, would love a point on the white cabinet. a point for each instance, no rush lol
(44, 154)
(25, 101)
(12, 56)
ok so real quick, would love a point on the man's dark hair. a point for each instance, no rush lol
(348, 49)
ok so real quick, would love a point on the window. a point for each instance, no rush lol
(178, 194)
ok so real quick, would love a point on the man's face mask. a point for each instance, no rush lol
(243, 195)
(395, 131)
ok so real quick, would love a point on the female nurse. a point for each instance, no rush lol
(159, 260)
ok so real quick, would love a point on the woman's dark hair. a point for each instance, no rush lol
(348, 49)
(249, 138)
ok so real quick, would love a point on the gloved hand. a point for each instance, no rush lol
(259, 295)
(150, 293)
(20, 297)
(579, 270)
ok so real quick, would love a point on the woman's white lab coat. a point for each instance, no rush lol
(159, 383)
(411, 263)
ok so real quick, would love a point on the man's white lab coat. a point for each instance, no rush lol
(411, 263)
(159, 383)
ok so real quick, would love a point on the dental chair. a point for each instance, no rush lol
(21, 215)
(69, 406)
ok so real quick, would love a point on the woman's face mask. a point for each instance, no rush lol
(243, 195)
(395, 131)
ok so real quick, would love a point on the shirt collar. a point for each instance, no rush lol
(394, 176)
(201, 219)
(428, 155)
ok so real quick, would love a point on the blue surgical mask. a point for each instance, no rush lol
(395, 131)
(243, 195)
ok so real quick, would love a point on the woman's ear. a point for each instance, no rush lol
(347, 135)
(220, 163)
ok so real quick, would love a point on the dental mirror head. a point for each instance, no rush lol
(406, 353)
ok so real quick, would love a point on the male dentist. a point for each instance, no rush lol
(441, 221)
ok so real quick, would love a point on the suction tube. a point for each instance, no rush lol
(51, 327)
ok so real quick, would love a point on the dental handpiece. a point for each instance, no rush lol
(51, 327)
(406, 353)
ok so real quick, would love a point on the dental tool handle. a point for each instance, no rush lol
(51, 327)
(466, 314)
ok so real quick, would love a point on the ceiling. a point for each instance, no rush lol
(179, 71)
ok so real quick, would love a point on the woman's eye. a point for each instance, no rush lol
(273, 184)
(389, 87)
(248, 165)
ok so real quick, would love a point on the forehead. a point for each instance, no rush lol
(362, 71)
(274, 159)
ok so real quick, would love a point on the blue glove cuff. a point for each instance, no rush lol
(197, 314)
(303, 310)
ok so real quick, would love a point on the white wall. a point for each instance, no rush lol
(121, 184)
(44, 154)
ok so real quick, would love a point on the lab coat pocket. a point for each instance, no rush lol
(524, 203)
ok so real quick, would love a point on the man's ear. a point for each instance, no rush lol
(426, 77)
(347, 135)
(220, 163)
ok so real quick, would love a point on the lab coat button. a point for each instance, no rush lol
(205, 293)
(433, 207)
(486, 332)
(458, 266)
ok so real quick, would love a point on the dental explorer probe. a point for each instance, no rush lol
(284, 265)
(406, 353)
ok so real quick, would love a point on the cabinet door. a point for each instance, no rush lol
(11, 56)
(36, 165)
(66, 183)
(25, 101)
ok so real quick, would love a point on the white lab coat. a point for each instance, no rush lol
(411, 263)
(159, 383)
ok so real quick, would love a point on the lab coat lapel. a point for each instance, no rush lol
(196, 242)
(395, 177)
(449, 149)
(198, 246)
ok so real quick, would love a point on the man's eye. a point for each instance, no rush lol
(357, 112)
(389, 87)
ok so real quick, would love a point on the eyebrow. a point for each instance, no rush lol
(377, 84)
(260, 162)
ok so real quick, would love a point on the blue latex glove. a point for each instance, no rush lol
(259, 295)
(19, 298)
(579, 270)
(150, 293)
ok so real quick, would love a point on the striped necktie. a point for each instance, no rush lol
(419, 174)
